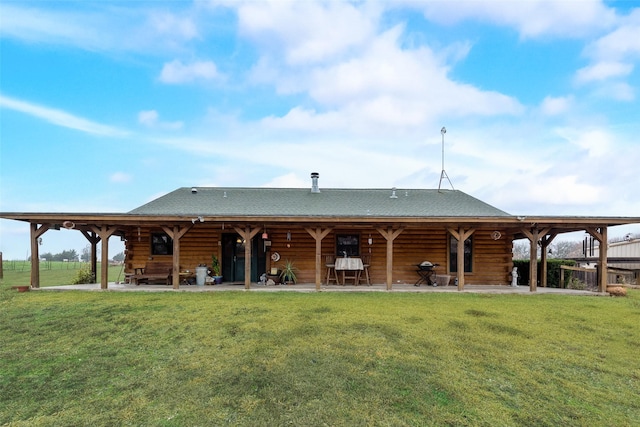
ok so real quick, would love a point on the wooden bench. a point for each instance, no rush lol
(153, 271)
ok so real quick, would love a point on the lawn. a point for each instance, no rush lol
(52, 273)
(317, 359)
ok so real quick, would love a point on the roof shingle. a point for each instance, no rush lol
(300, 202)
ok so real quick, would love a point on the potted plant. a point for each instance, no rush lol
(215, 270)
(288, 272)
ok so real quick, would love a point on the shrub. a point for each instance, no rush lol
(577, 284)
(84, 275)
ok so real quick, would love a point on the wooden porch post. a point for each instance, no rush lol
(176, 234)
(93, 239)
(534, 236)
(35, 254)
(545, 241)
(104, 232)
(390, 235)
(461, 236)
(318, 234)
(600, 234)
(247, 235)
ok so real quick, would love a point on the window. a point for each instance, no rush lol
(161, 244)
(347, 243)
(453, 255)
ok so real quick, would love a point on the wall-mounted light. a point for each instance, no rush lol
(289, 236)
(265, 235)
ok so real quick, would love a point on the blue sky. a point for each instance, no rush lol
(107, 105)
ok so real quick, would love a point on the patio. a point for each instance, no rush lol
(310, 287)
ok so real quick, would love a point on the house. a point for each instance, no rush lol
(252, 230)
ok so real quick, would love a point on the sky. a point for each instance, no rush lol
(105, 106)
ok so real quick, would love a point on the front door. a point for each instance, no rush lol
(233, 260)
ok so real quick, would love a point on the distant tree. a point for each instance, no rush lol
(47, 256)
(521, 249)
(119, 257)
(561, 249)
(565, 249)
(86, 254)
(70, 255)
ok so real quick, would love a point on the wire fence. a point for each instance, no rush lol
(44, 265)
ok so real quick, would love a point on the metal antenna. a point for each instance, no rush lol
(443, 174)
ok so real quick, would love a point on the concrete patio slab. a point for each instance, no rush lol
(310, 287)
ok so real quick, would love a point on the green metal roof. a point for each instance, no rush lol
(300, 202)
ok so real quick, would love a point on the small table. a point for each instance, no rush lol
(185, 277)
(426, 276)
(349, 264)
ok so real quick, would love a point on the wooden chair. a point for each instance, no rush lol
(330, 263)
(366, 262)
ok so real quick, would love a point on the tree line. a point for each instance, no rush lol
(71, 255)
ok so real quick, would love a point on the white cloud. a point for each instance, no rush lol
(596, 142)
(308, 32)
(553, 106)
(623, 42)
(60, 118)
(149, 118)
(619, 91)
(184, 28)
(384, 86)
(120, 177)
(603, 71)
(143, 29)
(531, 18)
(176, 72)
(613, 57)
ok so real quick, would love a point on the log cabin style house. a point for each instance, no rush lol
(252, 230)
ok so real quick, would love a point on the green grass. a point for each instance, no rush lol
(18, 273)
(316, 359)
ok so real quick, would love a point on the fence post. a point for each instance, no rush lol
(1, 267)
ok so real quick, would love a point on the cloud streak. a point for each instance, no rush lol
(60, 118)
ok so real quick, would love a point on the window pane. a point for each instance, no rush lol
(161, 244)
(348, 244)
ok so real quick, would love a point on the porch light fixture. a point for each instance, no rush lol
(289, 236)
(265, 235)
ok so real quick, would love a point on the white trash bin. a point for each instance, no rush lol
(201, 274)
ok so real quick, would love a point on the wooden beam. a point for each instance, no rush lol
(600, 234)
(247, 235)
(533, 236)
(545, 242)
(36, 232)
(390, 235)
(318, 234)
(461, 235)
(176, 234)
(104, 232)
(93, 239)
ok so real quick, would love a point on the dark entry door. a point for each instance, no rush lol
(233, 260)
